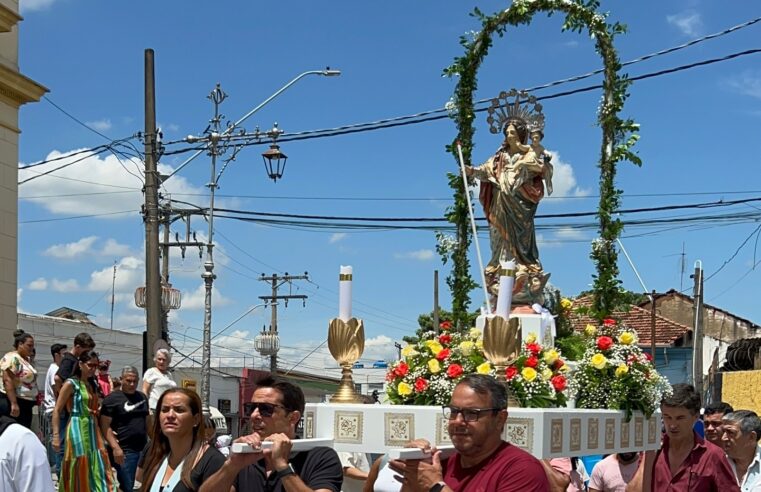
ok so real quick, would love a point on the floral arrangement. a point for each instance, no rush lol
(615, 374)
(537, 378)
(429, 369)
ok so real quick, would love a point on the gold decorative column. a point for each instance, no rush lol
(502, 345)
(346, 341)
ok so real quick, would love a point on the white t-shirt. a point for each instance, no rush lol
(355, 460)
(159, 382)
(23, 462)
(609, 475)
(49, 402)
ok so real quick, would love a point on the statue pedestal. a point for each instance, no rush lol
(545, 433)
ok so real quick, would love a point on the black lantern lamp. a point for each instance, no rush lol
(274, 161)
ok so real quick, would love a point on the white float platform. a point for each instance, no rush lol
(545, 433)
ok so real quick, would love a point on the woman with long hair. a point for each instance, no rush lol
(180, 458)
(18, 391)
(85, 465)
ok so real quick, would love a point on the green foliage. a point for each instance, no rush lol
(572, 346)
(425, 322)
(618, 139)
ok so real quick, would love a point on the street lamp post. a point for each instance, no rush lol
(218, 142)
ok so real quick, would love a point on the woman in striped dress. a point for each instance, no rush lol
(85, 466)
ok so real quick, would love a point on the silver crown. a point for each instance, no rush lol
(515, 105)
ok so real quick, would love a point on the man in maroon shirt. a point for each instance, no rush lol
(686, 462)
(477, 413)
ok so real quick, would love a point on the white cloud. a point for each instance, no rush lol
(335, 237)
(70, 285)
(129, 275)
(569, 234)
(420, 255)
(563, 179)
(32, 5)
(38, 284)
(114, 248)
(97, 182)
(748, 83)
(68, 251)
(196, 299)
(102, 125)
(688, 22)
(19, 293)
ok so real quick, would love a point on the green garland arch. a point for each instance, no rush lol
(618, 138)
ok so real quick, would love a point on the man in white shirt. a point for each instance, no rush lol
(355, 468)
(56, 350)
(23, 464)
(741, 431)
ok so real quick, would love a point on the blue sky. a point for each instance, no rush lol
(699, 143)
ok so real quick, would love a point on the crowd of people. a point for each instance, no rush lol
(105, 435)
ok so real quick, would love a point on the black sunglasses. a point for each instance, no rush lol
(468, 414)
(265, 409)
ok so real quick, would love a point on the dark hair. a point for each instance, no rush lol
(19, 337)
(718, 407)
(747, 420)
(56, 348)
(520, 128)
(292, 396)
(489, 386)
(84, 340)
(160, 446)
(84, 358)
(685, 396)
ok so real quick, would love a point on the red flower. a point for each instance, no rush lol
(510, 373)
(534, 348)
(558, 364)
(609, 322)
(445, 325)
(558, 382)
(648, 356)
(443, 354)
(604, 343)
(454, 370)
(420, 385)
(445, 338)
(531, 361)
(401, 370)
(391, 375)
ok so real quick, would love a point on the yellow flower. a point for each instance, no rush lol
(546, 373)
(621, 370)
(564, 368)
(531, 338)
(475, 333)
(467, 347)
(434, 366)
(404, 389)
(566, 303)
(484, 368)
(409, 351)
(434, 346)
(626, 338)
(599, 361)
(590, 330)
(528, 373)
(480, 344)
(551, 356)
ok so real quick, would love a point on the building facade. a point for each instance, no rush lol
(15, 90)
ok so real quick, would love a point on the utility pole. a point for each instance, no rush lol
(151, 218)
(276, 283)
(113, 295)
(652, 326)
(697, 329)
(165, 221)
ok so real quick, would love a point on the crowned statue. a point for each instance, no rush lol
(513, 182)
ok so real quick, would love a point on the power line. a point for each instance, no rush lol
(59, 108)
(75, 217)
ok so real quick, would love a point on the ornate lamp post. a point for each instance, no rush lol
(219, 141)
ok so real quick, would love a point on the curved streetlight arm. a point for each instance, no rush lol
(327, 73)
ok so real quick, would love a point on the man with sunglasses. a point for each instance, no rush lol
(275, 410)
(477, 414)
